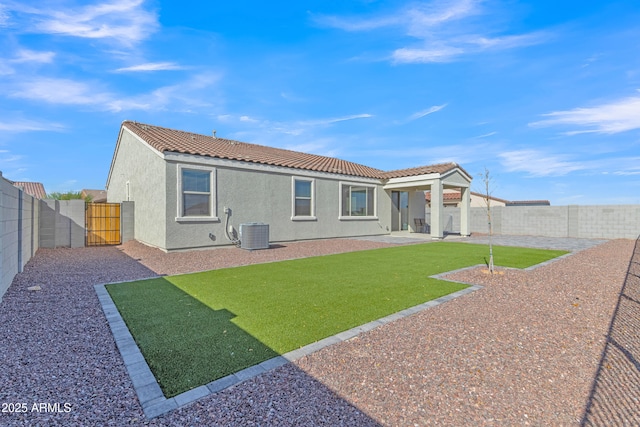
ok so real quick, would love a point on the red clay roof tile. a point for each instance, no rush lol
(177, 141)
(422, 170)
(35, 189)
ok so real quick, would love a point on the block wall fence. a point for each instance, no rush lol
(28, 223)
(19, 238)
(589, 222)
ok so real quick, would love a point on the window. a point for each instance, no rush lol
(358, 201)
(195, 189)
(303, 199)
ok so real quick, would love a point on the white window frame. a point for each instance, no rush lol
(312, 216)
(213, 217)
(354, 217)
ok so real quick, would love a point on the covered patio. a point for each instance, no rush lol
(408, 198)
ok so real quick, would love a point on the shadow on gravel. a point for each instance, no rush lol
(286, 396)
(57, 350)
(615, 395)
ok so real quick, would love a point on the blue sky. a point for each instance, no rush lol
(544, 94)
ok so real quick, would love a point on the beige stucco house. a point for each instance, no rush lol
(453, 198)
(194, 191)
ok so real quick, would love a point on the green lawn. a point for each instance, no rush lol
(195, 328)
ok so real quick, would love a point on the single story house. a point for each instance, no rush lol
(35, 189)
(453, 198)
(194, 191)
(94, 196)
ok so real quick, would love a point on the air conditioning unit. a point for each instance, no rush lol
(254, 235)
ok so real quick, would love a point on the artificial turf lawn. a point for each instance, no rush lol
(195, 328)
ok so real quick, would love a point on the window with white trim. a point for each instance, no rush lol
(358, 200)
(303, 200)
(196, 187)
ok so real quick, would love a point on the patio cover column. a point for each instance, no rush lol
(437, 208)
(465, 212)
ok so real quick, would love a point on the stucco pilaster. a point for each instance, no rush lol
(437, 210)
(465, 212)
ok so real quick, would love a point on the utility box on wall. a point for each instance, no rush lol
(254, 235)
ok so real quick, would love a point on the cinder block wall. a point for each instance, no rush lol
(606, 220)
(27, 223)
(18, 231)
(590, 222)
(62, 223)
(127, 228)
(549, 221)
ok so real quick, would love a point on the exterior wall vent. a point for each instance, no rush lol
(254, 235)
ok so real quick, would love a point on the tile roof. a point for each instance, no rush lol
(528, 203)
(34, 189)
(97, 196)
(177, 141)
(484, 196)
(454, 196)
(422, 170)
(163, 140)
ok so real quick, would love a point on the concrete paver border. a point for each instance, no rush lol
(153, 401)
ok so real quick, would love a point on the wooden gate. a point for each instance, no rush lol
(102, 221)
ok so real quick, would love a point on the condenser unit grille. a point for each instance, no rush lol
(254, 235)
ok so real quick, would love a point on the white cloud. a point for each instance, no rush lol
(431, 154)
(4, 15)
(486, 135)
(445, 30)
(449, 50)
(292, 97)
(256, 128)
(179, 97)
(10, 158)
(350, 24)
(151, 66)
(5, 70)
(621, 166)
(302, 126)
(415, 19)
(421, 20)
(430, 54)
(627, 173)
(25, 55)
(248, 119)
(537, 163)
(324, 122)
(506, 42)
(426, 112)
(70, 92)
(125, 21)
(614, 117)
(19, 125)
(60, 91)
(292, 128)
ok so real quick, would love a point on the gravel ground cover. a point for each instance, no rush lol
(191, 261)
(522, 351)
(615, 396)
